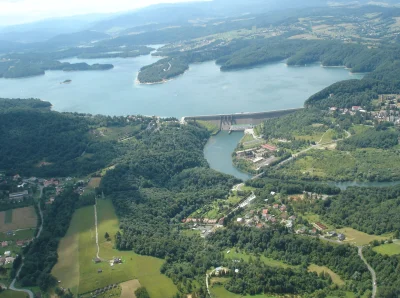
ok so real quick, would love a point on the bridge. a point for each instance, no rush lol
(239, 121)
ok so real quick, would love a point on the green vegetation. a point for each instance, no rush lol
(235, 254)
(12, 294)
(212, 128)
(361, 165)
(323, 269)
(162, 70)
(389, 249)
(378, 214)
(370, 139)
(8, 216)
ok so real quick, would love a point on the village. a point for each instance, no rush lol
(18, 217)
(269, 212)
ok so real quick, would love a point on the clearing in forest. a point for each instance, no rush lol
(318, 269)
(389, 249)
(359, 238)
(93, 275)
(15, 219)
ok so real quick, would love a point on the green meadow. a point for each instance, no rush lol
(78, 259)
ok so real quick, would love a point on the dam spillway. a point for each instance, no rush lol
(239, 121)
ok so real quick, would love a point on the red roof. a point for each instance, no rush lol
(269, 147)
(265, 211)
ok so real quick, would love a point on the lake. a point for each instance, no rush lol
(202, 90)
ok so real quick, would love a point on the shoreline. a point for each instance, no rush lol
(160, 82)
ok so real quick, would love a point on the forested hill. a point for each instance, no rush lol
(37, 141)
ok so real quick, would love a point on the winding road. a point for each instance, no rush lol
(373, 274)
(12, 285)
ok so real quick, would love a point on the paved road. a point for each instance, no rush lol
(12, 285)
(373, 274)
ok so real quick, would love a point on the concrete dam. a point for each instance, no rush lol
(239, 121)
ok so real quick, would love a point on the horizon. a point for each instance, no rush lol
(20, 12)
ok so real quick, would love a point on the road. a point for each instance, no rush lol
(373, 274)
(97, 234)
(12, 285)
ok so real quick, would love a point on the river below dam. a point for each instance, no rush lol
(218, 152)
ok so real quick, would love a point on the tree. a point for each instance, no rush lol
(107, 236)
(142, 293)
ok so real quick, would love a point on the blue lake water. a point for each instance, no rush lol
(203, 89)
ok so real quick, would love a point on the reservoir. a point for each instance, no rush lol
(202, 90)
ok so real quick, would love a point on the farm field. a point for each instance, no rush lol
(220, 292)
(94, 182)
(246, 256)
(129, 288)
(359, 238)
(134, 266)
(335, 278)
(12, 294)
(389, 249)
(15, 219)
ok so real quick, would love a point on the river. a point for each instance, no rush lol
(218, 152)
(202, 90)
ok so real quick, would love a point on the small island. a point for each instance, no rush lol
(162, 71)
(66, 82)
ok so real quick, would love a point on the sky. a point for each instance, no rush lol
(25, 11)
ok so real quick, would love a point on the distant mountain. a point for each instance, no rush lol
(182, 13)
(9, 46)
(49, 28)
(72, 39)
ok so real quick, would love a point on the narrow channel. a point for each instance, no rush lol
(218, 152)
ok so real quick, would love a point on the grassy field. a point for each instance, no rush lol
(246, 256)
(359, 238)
(94, 182)
(13, 294)
(82, 231)
(220, 292)
(129, 288)
(389, 249)
(335, 278)
(8, 216)
(334, 165)
(211, 127)
(313, 218)
(21, 218)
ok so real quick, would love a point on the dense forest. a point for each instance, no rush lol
(162, 70)
(40, 142)
(371, 210)
(370, 139)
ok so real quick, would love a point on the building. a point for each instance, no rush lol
(269, 147)
(7, 253)
(319, 226)
(18, 196)
(341, 237)
(4, 244)
(264, 213)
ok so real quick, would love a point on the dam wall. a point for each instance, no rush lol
(226, 121)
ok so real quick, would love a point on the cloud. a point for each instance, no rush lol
(23, 11)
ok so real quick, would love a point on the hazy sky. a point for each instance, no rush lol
(23, 11)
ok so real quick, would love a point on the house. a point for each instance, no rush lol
(7, 253)
(319, 226)
(275, 206)
(269, 147)
(10, 260)
(18, 196)
(264, 213)
(283, 208)
(272, 193)
(239, 220)
(97, 260)
(20, 243)
(332, 234)
(117, 261)
(4, 244)
(50, 182)
(356, 108)
(332, 109)
(221, 221)
(341, 237)
(16, 177)
(292, 217)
